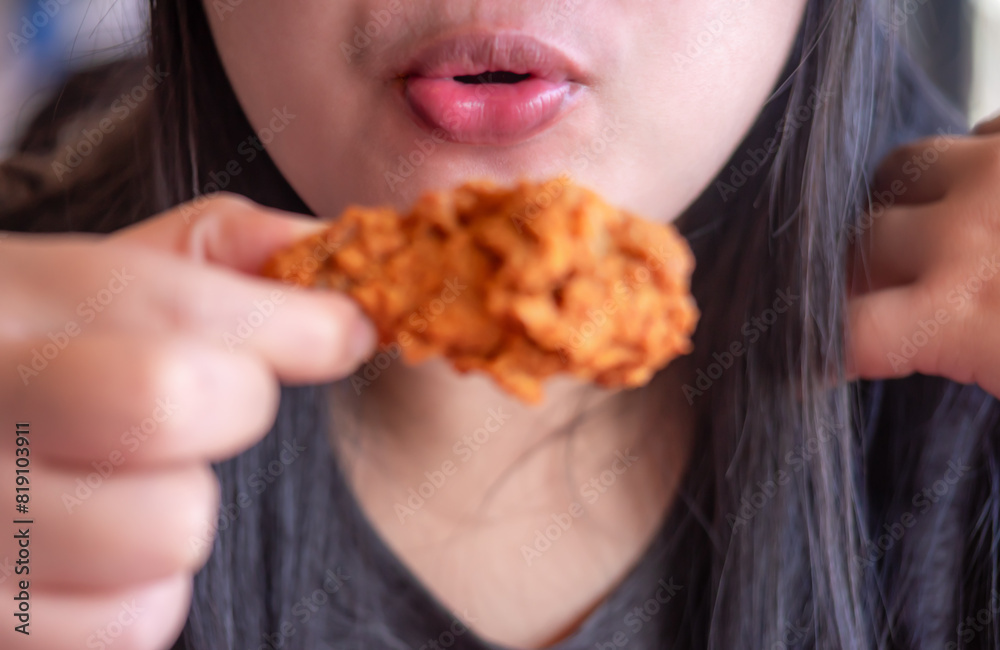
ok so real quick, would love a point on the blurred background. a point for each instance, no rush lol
(957, 41)
(44, 40)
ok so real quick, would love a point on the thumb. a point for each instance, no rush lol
(989, 126)
(223, 229)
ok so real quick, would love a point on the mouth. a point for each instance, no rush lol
(490, 88)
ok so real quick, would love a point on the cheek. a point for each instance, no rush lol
(289, 62)
(701, 86)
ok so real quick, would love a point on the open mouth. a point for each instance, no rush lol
(497, 77)
(489, 88)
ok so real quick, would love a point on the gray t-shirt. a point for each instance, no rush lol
(639, 613)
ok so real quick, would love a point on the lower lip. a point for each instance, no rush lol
(488, 113)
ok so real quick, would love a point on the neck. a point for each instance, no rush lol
(414, 424)
(471, 488)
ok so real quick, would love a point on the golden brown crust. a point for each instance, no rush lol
(519, 283)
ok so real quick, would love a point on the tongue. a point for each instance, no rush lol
(485, 112)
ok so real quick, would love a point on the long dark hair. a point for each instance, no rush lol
(806, 524)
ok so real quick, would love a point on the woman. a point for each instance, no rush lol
(749, 497)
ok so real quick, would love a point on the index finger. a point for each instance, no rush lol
(223, 229)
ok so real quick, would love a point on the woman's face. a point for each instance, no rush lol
(374, 101)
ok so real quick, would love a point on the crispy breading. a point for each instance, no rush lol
(521, 283)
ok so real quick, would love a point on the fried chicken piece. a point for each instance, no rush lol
(520, 283)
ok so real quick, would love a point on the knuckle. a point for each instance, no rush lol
(203, 400)
(171, 383)
(165, 372)
(191, 307)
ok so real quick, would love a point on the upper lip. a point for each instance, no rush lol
(479, 52)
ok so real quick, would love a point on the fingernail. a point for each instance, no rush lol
(302, 228)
